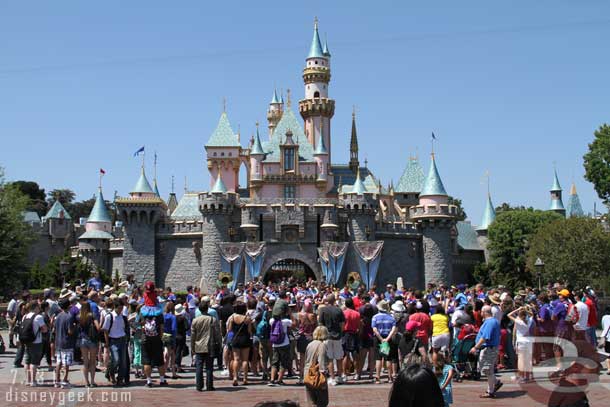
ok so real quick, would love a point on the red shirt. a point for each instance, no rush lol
(426, 326)
(357, 302)
(592, 320)
(352, 320)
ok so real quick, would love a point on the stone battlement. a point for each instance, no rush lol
(426, 211)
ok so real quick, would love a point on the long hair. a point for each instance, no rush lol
(416, 386)
(85, 313)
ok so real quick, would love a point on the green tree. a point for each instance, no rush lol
(80, 209)
(15, 236)
(35, 193)
(64, 196)
(597, 163)
(461, 213)
(505, 207)
(575, 250)
(509, 238)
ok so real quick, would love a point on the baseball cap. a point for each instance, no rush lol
(412, 325)
(564, 293)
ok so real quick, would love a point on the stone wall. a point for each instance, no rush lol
(215, 230)
(139, 251)
(116, 262)
(177, 265)
(437, 252)
(401, 257)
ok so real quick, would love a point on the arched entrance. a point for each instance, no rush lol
(285, 268)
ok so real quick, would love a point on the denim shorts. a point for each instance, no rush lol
(87, 343)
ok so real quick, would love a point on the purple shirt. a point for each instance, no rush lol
(559, 312)
(546, 326)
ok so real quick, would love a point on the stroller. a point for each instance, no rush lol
(464, 362)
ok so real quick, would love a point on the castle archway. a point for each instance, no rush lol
(286, 264)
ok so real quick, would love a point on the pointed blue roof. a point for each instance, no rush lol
(219, 186)
(275, 99)
(412, 179)
(467, 236)
(257, 147)
(223, 135)
(96, 234)
(574, 208)
(99, 213)
(433, 184)
(358, 188)
(325, 50)
(290, 122)
(556, 186)
(156, 189)
(281, 98)
(56, 209)
(143, 186)
(315, 51)
(556, 205)
(488, 216)
(188, 207)
(320, 147)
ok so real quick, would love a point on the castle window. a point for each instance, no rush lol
(316, 94)
(289, 159)
(316, 62)
(215, 154)
(230, 154)
(289, 191)
(222, 154)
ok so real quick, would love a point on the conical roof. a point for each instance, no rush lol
(274, 99)
(489, 215)
(219, 186)
(358, 188)
(223, 135)
(156, 189)
(574, 208)
(412, 178)
(56, 210)
(99, 213)
(315, 51)
(556, 186)
(257, 147)
(320, 147)
(142, 186)
(433, 184)
(325, 50)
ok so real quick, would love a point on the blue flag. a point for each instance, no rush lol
(141, 150)
(433, 137)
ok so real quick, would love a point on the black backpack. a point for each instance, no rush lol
(26, 332)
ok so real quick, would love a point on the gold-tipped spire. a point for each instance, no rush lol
(573, 189)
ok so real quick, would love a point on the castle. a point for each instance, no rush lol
(299, 212)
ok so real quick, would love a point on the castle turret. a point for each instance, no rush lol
(257, 155)
(409, 186)
(320, 155)
(275, 111)
(361, 206)
(556, 201)
(217, 208)
(141, 213)
(94, 244)
(317, 107)
(489, 215)
(223, 151)
(354, 164)
(436, 220)
(574, 208)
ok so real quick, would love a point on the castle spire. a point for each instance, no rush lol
(358, 188)
(219, 186)
(354, 164)
(257, 148)
(489, 215)
(574, 208)
(325, 50)
(433, 184)
(315, 50)
(556, 200)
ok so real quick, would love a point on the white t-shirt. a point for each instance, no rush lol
(583, 316)
(117, 330)
(496, 312)
(36, 325)
(606, 327)
(12, 307)
(286, 323)
(522, 331)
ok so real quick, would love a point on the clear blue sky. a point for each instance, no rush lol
(510, 87)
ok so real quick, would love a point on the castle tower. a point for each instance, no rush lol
(94, 244)
(274, 114)
(574, 208)
(556, 201)
(216, 207)
(489, 215)
(320, 155)
(316, 107)
(257, 155)
(360, 206)
(223, 150)
(410, 184)
(436, 220)
(354, 164)
(140, 213)
(59, 223)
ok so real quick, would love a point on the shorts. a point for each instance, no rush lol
(440, 341)
(33, 354)
(607, 346)
(366, 342)
(487, 360)
(334, 349)
(87, 343)
(392, 357)
(169, 341)
(350, 343)
(64, 357)
(302, 343)
(281, 357)
(152, 351)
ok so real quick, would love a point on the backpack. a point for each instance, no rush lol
(572, 316)
(26, 333)
(262, 329)
(150, 327)
(277, 332)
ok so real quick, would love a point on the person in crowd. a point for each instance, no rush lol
(605, 336)
(412, 351)
(280, 361)
(95, 282)
(152, 331)
(316, 352)
(170, 329)
(182, 328)
(46, 337)
(351, 340)
(306, 324)
(416, 386)
(591, 302)
(65, 329)
(11, 318)
(563, 329)
(523, 326)
(206, 341)
(30, 337)
(384, 329)
(487, 342)
(88, 336)
(367, 353)
(115, 328)
(582, 312)
(240, 325)
(440, 330)
(444, 373)
(333, 319)
(425, 323)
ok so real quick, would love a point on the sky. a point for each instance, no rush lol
(513, 88)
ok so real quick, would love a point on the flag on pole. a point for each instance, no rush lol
(102, 171)
(140, 150)
(433, 136)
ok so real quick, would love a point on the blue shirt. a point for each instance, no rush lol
(169, 324)
(211, 312)
(95, 310)
(461, 297)
(384, 323)
(490, 331)
(96, 283)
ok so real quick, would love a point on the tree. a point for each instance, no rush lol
(461, 213)
(36, 194)
(509, 238)
(597, 163)
(575, 250)
(64, 196)
(15, 236)
(80, 209)
(505, 207)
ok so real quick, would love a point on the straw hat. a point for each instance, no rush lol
(179, 309)
(495, 298)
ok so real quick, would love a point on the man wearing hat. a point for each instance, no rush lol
(563, 330)
(384, 329)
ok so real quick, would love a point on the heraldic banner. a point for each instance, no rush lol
(369, 257)
(254, 254)
(230, 254)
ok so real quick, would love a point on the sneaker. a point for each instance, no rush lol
(149, 384)
(164, 383)
(343, 379)
(56, 385)
(357, 377)
(224, 373)
(497, 386)
(272, 383)
(65, 385)
(332, 382)
(281, 383)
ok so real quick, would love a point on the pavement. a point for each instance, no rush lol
(182, 391)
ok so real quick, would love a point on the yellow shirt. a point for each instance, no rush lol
(440, 324)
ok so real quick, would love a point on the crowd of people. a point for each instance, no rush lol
(278, 331)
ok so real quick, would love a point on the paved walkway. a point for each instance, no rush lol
(182, 392)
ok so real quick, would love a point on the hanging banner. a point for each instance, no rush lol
(336, 258)
(323, 254)
(254, 254)
(369, 257)
(230, 255)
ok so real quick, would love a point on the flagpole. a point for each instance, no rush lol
(143, 158)
(101, 174)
